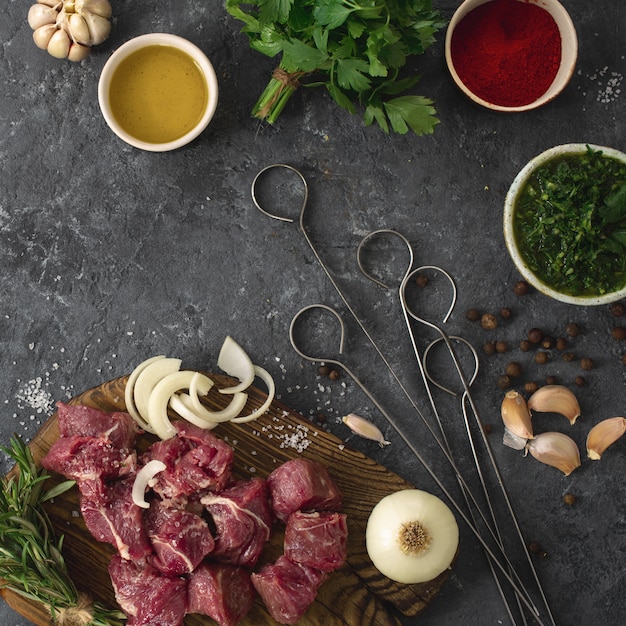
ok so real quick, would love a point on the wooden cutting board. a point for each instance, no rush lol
(356, 595)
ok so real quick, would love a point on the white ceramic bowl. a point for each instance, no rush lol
(569, 54)
(510, 204)
(152, 39)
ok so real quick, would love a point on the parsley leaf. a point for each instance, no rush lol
(357, 49)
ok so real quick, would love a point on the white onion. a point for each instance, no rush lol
(142, 481)
(266, 377)
(148, 379)
(129, 393)
(234, 360)
(235, 407)
(412, 536)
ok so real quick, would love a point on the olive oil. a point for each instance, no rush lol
(158, 94)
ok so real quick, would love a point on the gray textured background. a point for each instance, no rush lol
(110, 255)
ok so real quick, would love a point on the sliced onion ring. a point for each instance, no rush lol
(129, 393)
(228, 413)
(142, 481)
(266, 377)
(147, 380)
(160, 398)
(179, 406)
(234, 360)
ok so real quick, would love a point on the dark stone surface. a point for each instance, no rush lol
(110, 255)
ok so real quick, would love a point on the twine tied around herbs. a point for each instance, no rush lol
(79, 615)
(287, 81)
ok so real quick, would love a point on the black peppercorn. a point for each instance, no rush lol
(535, 335)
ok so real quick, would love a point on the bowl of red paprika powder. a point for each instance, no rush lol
(511, 55)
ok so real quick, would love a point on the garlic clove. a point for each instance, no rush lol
(555, 399)
(59, 44)
(516, 416)
(97, 7)
(557, 450)
(603, 434)
(40, 14)
(99, 27)
(78, 30)
(513, 441)
(78, 52)
(364, 428)
(42, 35)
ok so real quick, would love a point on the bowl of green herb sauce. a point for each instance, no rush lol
(565, 223)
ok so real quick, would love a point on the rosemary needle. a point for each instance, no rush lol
(31, 560)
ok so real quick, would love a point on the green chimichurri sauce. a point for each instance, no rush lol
(570, 223)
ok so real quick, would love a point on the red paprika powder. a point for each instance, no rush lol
(507, 52)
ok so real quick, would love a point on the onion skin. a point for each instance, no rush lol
(385, 525)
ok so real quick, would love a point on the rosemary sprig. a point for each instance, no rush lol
(31, 560)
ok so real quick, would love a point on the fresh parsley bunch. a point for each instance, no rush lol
(356, 47)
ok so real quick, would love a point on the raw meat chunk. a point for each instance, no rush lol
(287, 588)
(114, 518)
(317, 539)
(195, 460)
(90, 461)
(119, 428)
(302, 484)
(221, 591)
(242, 518)
(180, 539)
(146, 596)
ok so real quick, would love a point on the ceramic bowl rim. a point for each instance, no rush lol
(137, 43)
(509, 212)
(569, 54)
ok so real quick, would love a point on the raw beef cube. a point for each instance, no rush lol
(120, 428)
(317, 539)
(301, 484)
(180, 539)
(114, 518)
(195, 460)
(287, 588)
(90, 461)
(242, 518)
(146, 596)
(221, 591)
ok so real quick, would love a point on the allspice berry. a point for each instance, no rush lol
(619, 333)
(323, 370)
(525, 345)
(561, 343)
(513, 369)
(473, 315)
(587, 364)
(506, 313)
(504, 382)
(568, 357)
(421, 280)
(334, 375)
(521, 288)
(580, 381)
(623, 359)
(501, 347)
(617, 309)
(542, 357)
(531, 386)
(572, 329)
(551, 380)
(488, 321)
(489, 347)
(547, 343)
(569, 499)
(535, 335)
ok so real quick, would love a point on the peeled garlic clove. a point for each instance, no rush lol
(99, 27)
(40, 14)
(516, 416)
(78, 29)
(557, 450)
(59, 44)
(78, 52)
(43, 34)
(555, 399)
(602, 435)
(364, 428)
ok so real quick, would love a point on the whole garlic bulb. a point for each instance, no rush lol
(68, 28)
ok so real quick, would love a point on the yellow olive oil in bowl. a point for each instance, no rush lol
(158, 92)
(565, 223)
